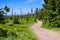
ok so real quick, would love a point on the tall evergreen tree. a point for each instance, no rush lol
(2, 12)
(6, 10)
(51, 11)
(31, 11)
(12, 12)
(37, 13)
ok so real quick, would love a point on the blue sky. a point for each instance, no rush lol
(24, 5)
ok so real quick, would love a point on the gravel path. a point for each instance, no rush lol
(44, 34)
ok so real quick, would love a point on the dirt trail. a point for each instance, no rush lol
(45, 34)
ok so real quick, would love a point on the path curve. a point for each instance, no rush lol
(44, 34)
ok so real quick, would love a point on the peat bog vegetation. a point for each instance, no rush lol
(16, 32)
(17, 27)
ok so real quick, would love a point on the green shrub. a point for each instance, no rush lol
(15, 20)
(13, 35)
(3, 33)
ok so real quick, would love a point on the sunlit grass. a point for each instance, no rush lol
(21, 30)
(55, 29)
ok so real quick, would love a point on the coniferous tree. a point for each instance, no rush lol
(2, 19)
(32, 13)
(36, 13)
(2, 12)
(16, 19)
(12, 12)
(51, 12)
(6, 9)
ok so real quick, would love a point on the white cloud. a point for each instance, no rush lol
(29, 1)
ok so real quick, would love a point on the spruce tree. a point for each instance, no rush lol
(51, 12)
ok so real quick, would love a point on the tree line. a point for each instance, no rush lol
(4, 18)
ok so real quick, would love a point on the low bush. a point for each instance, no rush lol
(3, 33)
